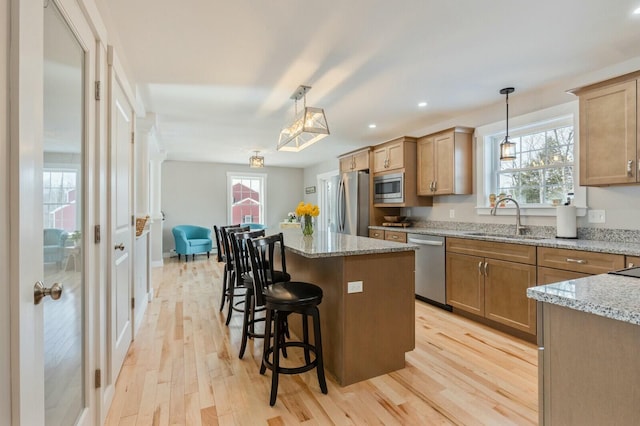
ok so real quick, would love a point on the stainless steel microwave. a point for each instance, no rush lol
(388, 189)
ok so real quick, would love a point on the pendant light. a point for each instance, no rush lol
(256, 161)
(307, 128)
(507, 148)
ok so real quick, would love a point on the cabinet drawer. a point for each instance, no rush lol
(376, 233)
(550, 275)
(632, 261)
(397, 236)
(579, 261)
(519, 253)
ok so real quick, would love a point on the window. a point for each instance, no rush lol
(543, 168)
(247, 197)
(60, 191)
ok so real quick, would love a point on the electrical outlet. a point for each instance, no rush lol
(597, 216)
(354, 287)
(452, 213)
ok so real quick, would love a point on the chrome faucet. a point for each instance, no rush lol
(519, 227)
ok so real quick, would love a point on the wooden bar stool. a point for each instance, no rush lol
(280, 300)
(230, 292)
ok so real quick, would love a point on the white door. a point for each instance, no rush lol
(121, 327)
(52, 125)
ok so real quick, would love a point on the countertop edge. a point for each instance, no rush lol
(612, 247)
(587, 303)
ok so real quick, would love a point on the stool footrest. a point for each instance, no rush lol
(292, 370)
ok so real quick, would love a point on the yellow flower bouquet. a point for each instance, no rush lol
(306, 211)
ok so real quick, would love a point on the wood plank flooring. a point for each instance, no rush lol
(183, 369)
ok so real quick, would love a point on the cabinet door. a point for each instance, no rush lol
(380, 159)
(632, 261)
(608, 135)
(426, 165)
(505, 295)
(465, 283)
(444, 167)
(346, 164)
(550, 275)
(361, 160)
(395, 155)
(377, 234)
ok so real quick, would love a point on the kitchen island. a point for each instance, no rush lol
(589, 340)
(368, 308)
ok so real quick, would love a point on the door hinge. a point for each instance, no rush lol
(133, 136)
(133, 303)
(97, 90)
(96, 234)
(98, 378)
(133, 220)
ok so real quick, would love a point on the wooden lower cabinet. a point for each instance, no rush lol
(550, 275)
(632, 261)
(465, 282)
(397, 236)
(492, 287)
(376, 233)
(505, 293)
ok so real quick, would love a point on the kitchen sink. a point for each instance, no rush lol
(509, 236)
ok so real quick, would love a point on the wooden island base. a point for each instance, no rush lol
(363, 334)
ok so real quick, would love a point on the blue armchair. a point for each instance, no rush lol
(54, 241)
(191, 239)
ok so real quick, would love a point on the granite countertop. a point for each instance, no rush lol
(614, 247)
(330, 244)
(610, 296)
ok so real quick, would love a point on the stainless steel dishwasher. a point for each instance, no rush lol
(430, 269)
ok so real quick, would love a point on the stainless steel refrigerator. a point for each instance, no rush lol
(353, 204)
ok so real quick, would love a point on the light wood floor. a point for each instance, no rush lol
(183, 369)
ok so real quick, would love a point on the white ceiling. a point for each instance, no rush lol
(218, 74)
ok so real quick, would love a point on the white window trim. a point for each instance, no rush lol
(516, 125)
(231, 175)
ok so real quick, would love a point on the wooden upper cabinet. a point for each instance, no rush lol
(358, 160)
(609, 151)
(445, 162)
(389, 156)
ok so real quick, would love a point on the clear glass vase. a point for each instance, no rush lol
(307, 225)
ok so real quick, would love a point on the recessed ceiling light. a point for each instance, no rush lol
(637, 11)
(372, 126)
(422, 104)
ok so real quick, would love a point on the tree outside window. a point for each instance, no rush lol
(543, 170)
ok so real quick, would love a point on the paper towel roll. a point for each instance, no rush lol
(566, 222)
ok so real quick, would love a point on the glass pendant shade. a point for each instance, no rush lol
(308, 127)
(256, 161)
(507, 150)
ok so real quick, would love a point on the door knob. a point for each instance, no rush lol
(119, 247)
(40, 291)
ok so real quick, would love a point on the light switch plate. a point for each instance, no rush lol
(452, 213)
(354, 287)
(597, 216)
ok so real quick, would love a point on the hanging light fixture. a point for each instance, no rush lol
(507, 148)
(308, 127)
(256, 160)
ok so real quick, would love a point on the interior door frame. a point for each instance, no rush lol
(25, 204)
(5, 302)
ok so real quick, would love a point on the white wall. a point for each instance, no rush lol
(5, 352)
(195, 193)
(311, 177)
